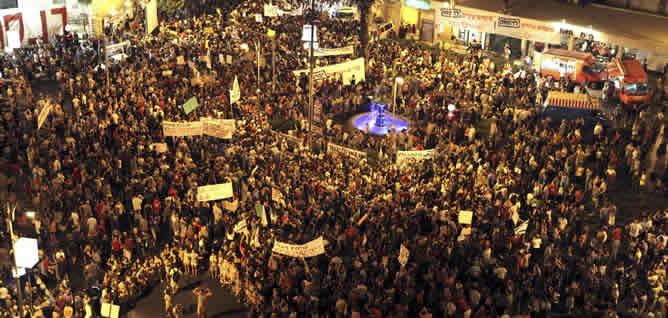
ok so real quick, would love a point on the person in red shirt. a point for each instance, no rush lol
(616, 241)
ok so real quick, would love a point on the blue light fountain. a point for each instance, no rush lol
(377, 123)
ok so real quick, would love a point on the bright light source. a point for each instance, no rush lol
(113, 11)
(68, 28)
(399, 80)
(244, 46)
(25, 252)
(30, 214)
(451, 115)
(446, 5)
(451, 108)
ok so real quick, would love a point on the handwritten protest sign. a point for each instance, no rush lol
(220, 128)
(173, 129)
(310, 249)
(190, 105)
(465, 217)
(215, 192)
(332, 148)
(231, 205)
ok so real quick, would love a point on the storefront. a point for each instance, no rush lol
(421, 14)
(465, 24)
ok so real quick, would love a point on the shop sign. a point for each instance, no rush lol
(508, 22)
(451, 13)
(419, 4)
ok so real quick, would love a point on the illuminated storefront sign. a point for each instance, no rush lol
(419, 4)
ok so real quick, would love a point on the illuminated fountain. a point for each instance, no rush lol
(377, 122)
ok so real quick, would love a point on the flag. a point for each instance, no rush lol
(235, 93)
(190, 105)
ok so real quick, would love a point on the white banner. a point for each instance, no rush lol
(310, 249)
(215, 192)
(275, 11)
(346, 70)
(345, 151)
(405, 157)
(527, 29)
(467, 18)
(43, 115)
(220, 128)
(348, 50)
(172, 129)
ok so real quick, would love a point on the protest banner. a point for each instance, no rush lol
(215, 192)
(405, 157)
(403, 255)
(231, 205)
(240, 227)
(172, 129)
(43, 115)
(180, 60)
(465, 217)
(275, 11)
(258, 18)
(346, 70)
(159, 147)
(332, 148)
(167, 73)
(348, 50)
(220, 128)
(190, 105)
(310, 249)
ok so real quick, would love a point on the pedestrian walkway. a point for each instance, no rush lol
(222, 304)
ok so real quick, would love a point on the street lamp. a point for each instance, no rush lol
(397, 81)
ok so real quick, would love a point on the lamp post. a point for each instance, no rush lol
(19, 288)
(397, 81)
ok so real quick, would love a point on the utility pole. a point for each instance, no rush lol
(19, 291)
(273, 64)
(310, 76)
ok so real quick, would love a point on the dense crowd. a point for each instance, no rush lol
(111, 205)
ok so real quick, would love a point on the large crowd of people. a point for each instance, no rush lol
(112, 204)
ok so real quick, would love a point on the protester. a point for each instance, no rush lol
(112, 203)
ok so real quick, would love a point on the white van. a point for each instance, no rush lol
(347, 13)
